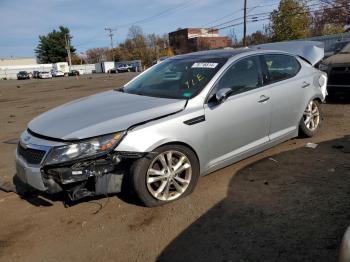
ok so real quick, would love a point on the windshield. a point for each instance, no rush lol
(346, 49)
(336, 47)
(176, 78)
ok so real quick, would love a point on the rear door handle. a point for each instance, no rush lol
(305, 84)
(263, 99)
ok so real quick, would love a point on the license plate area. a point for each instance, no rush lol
(21, 173)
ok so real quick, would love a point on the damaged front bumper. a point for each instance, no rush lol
(100, 176)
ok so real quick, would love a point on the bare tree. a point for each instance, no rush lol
(96, 55)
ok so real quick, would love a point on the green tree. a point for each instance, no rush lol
(52, 47)
(257, 38)
(290, 21)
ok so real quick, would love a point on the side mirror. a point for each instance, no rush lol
(223, 94)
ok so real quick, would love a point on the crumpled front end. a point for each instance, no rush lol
(100, 175)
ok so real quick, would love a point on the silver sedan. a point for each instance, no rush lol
(184, 117)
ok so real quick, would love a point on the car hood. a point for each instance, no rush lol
(101, 114)
(338, 59)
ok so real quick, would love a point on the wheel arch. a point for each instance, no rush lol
(182, 144)
(317, 98)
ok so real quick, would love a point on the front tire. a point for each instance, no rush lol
(168, 174)
(311, 120)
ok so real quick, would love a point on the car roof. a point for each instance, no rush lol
(216, 53)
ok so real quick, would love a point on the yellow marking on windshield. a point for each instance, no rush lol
(194, 81)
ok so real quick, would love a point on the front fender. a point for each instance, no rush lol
(172, 129)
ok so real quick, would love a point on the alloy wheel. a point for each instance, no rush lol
(169, 175)
(312, 116)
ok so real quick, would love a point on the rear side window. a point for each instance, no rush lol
(281, 67)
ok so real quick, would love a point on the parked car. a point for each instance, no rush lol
(23, 75)
(44, 75)
(160, 59)
(124, 68)
(74, 73)
(57, 73)
(112, 71)
(185, 117)
(335, 48)
(337, 68)
(35, 74)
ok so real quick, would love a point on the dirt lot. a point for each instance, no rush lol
(289, 203)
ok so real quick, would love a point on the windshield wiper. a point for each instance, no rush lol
(119, 89)
(139, 94)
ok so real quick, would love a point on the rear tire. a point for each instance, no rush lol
(167, 174)
(311, 119)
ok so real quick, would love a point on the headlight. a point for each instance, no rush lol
(323, 67)
(87, 148)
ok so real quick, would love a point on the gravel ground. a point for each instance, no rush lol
(289, 203)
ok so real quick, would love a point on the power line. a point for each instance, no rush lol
(268, 18)
(252, 15)
(180, 6)
(168, 11)
(249, 9)
(223, 17)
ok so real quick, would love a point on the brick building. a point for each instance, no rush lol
(196, 39)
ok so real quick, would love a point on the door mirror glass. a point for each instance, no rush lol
(223, 94)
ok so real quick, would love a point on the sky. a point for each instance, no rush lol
(22, 21)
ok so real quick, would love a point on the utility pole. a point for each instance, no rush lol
(245, 24)
(110, 30)
(67, 40)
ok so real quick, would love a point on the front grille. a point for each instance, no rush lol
(32, 156)
(339, 76)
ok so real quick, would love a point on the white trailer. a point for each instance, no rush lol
(62, 67)
(106, 66)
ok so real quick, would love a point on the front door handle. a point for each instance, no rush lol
(305, 84)
(263, 99)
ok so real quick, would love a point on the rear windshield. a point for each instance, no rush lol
(179, 78)
(346, 49)
(336, 47)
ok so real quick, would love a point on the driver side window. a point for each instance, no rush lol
(242, 76)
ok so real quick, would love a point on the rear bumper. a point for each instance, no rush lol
(338, 88)
(339, 78)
